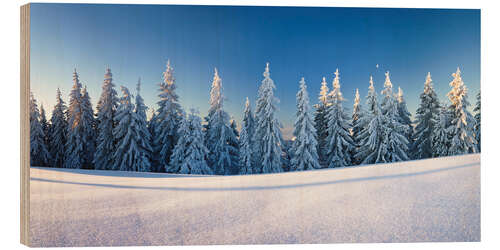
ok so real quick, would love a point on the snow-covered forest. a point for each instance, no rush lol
(380, 129)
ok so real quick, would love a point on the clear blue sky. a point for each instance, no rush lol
(136, 40)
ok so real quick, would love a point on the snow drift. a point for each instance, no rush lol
(416, 201)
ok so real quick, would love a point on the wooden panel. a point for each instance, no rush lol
(25, 132)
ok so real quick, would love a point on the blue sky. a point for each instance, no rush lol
(136, 41)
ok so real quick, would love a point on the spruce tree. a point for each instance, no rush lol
(39, 155)
(372, 138)
(304, 154)
(124, 134)
(106, 112)
(235, 145)
(461, 121)
(440, 137)
(129, 154)
(357, 117)
(58, 132)
(269, 140)
(246, 141)
(46, 131)
(426, 118)
(371, 99)
(234, 127)
(88, 126)
(321, 123)
(287, 154)
(179, 154)
(339, 140)
(152, 131)
(75, 141)
(45, 126)
(248, 119)
(144, 139)
(195, 162)
(363, 150)
(167, 121)
(190, 153)
(220, 138)
(151, 125)
(395, 131)
(404, 117)
(477, 116)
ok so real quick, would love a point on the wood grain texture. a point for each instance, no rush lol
(25, 131)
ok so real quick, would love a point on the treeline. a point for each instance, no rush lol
(118, 135)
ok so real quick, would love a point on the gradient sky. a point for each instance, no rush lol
(136, 41)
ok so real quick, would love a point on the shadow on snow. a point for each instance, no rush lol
(112, 173)
(249, 188)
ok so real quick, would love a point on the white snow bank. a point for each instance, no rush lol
(428, 200)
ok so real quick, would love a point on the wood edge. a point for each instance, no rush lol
(25, 132)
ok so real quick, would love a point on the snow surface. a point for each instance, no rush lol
(427, 200)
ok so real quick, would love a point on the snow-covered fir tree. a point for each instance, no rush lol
(152, 130)
(151, 125)
(395, 131)
(179, 153)
(373, 145)
(371, 98)
(357, 117)
(124, 134)
(129, 154)
(220, 138)
(88, 126)
(106, 112)
(46, 130)
(286, 155)
(190, 153)
(249, 120)
(39, 154)
(461, 121)
(196, 159)
(268, 136)
(427, 116)
(246, 163)
(404, 116)
(58, 130)
(144, 139)
(362, 126)
(320, 120)
(235, 144)
(45, 126)
(74, 143)
(304, 154)
(440, 137)
(477, 116)
(246, 141)
(234, 127)
(167, 121)
(339, 140)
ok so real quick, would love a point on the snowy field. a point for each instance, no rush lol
(428, 200)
